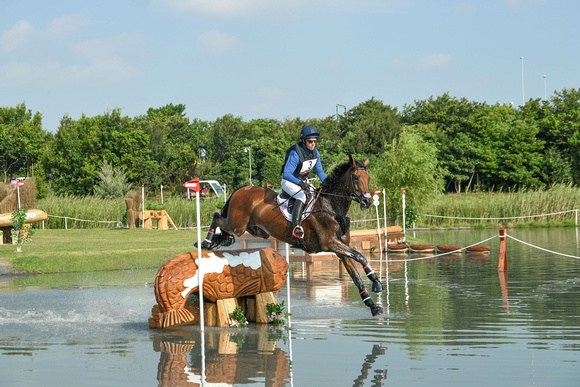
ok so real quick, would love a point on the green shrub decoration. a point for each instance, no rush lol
(239, 318)
(275, 311)
(20, 234)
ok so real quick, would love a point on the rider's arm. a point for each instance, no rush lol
(290, 167)
(318, 168)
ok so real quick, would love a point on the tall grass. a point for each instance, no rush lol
(523, 203)
(95, 212)
(523, 206)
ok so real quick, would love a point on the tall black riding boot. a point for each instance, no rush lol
(297, 231)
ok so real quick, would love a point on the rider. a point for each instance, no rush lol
(301, 158)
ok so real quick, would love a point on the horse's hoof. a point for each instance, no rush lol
(376, 310)
(205, 245)
(378, 287)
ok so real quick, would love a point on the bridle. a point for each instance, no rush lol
(355, 195)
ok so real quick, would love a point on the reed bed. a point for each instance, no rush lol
(521, 208)
(485, 206)
(95, 212)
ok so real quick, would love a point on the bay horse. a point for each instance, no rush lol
(255, 210)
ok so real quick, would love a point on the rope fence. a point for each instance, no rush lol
(66, 218)
(504, 218)
(541, 248)
(80, 220)
(502, 259)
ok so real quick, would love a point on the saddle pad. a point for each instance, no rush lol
(283, 206)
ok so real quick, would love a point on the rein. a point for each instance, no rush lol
(354, 195)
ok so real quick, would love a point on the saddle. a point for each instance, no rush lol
(285, 203)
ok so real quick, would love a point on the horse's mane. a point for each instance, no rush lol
(333, 180)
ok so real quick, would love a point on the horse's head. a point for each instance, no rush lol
(358, 186)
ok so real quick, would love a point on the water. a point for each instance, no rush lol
(450, 321)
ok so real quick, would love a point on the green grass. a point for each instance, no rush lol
(62, 251)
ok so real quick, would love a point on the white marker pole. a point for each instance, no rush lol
(200, 275)
(385, 211)
(161, 193)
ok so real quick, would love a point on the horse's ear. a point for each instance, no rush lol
(366, 164)
(351, 160)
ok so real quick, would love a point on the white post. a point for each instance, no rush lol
(385, 212)
(143, 200)
(200, 275)
(161, 193)
(376, 203)
(18, 191)
(288, 279)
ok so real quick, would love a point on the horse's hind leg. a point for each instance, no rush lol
(364, 294)
(212, 240)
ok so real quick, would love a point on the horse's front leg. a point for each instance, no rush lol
(343, 250)
(349, 266)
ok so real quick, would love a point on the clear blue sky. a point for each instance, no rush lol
(279, 58)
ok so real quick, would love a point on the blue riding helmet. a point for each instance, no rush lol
(309, 132)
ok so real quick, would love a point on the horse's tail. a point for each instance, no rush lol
(224, 211)
(168, 292)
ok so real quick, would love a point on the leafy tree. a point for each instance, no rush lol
(74, 157)
(113, 183)
(510, 150)
(22, 140)
(367, 127)
(168, 110)
(561, 127)
(445, 122)
(174, 146)
(409, 162)
(556, 168)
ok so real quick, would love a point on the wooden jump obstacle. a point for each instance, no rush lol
(161, 216)
(231, 279)
(32, 216)
(366, 241)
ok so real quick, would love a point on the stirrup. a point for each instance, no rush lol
(298, 232)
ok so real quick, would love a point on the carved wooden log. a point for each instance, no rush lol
(226, 274)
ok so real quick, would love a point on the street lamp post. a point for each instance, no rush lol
(337, 106)
(545, 95)
(523, 100)
(248, 150)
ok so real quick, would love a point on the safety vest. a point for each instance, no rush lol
(307, 161)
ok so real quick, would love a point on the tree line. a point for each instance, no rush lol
(442, 144)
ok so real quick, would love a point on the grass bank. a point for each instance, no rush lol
(65, 251)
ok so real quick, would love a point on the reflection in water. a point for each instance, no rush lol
(503, 282)
(380, 374)
(231, 357)
(448, 321)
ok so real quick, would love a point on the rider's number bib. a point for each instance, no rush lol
(307, 166)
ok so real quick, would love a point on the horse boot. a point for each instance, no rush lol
(297, 231)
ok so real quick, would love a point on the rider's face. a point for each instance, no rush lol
(310, 143)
